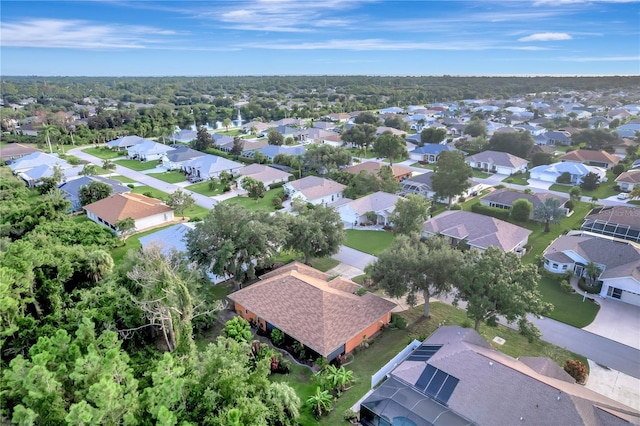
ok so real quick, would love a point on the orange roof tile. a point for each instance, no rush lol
(121, 206)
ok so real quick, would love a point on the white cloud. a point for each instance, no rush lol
(368, 45)
(546, 37)
(77, 34)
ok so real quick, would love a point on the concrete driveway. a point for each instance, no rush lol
(617, 321)
(614, 384)
(354, 257)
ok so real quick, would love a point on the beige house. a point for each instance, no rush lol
(628, 180)
(315, 190)
(147, 212)
(265, 174)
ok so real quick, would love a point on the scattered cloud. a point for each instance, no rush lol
(372, 44)
(79, 34)
(546, 37)
(290, 16)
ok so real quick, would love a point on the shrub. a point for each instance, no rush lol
(576, 369)
(490, 211)
(148, 194)
(617, 169)
(398, 321)
(566, 286)
(276, 185)
(570, 205)
(564, 178)
(461, 199)
(277, 337)
(589, 289)
(349, 415)
(456, 207)
(501, 186)
(130, 185)
(284, 367)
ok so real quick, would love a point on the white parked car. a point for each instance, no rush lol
(623, 196)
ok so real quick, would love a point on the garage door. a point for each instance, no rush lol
(630, 298)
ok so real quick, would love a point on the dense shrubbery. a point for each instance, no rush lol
(490, 211)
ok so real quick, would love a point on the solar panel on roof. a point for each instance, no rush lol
(424, 353)
(447, 389)
(425, 377)
(436, 383)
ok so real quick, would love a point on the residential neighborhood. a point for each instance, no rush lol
(277, 226)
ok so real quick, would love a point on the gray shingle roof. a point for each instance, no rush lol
(478, 230)
(495, 389)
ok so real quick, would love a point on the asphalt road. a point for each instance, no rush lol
(597, 348)
(169, 188)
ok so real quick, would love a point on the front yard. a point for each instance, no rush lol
(136, 165)
(604, 190)
(194, 212)
(265, 203)
(371, 242)
(518, 179)
(173, 176)
(104, 153)
(202, 188)
(568, 308)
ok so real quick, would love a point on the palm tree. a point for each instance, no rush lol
(108, 165)
(549, 211)
(339, 378)
(99, 264)
(321, 402)
(226, 123)
(48, 131)
(635, 192)
(593, 271)
(253, 130)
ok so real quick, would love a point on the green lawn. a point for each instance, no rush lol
(104, 153)
(518, 179)
(169, 177)
(136, 165)
(203, 189)
(123, 179)
(480, 174)
(604, 190)
(424, 166)
(131, 243)
(152, 192)
(233, 132)
(265, 203)
(568, 308)
(390, 342)
(371, 242)
(320, 263)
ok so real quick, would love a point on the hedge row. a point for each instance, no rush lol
(501, 214)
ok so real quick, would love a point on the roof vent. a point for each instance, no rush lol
(491, 363)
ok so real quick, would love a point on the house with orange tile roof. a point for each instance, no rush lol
(591, 158)
(326, 315)
(146, 211)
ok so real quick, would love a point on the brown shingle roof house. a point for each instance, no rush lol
(147, 212)
(477, 230)
(456, 378)
(373, 167)
(325, 316)
(592, 158)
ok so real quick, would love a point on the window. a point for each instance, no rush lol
(564, 267)
(614, 293)
(555, 266)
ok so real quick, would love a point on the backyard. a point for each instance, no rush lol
(194, 212)
(371, 242)
(385, 346)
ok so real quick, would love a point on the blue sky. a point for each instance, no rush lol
(299, 37)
